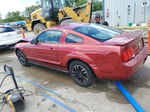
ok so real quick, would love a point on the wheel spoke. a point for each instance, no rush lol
(85, 78)
(76, 68)
(80, 74)
(74, 74)
(80, 80)
(21, 57)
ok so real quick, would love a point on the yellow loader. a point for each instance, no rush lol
(57, 12)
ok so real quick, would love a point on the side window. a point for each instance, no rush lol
(41, 37)
(9, 29)
(46, 4)
(71, 38)
(50, 37)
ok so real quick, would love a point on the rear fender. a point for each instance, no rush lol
(78, 56)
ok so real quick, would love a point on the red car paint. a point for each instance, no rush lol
(105, 58)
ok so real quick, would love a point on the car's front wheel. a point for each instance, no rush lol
(22, 59)
(81, 73)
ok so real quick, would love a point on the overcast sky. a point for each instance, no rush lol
(13, 5)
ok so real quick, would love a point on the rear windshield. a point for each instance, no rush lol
(98, 32)
(6, 29)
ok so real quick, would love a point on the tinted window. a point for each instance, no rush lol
(49, 37)
(73, 39)
(59, 4)
(6, 29)
(46, 4)
(98, 32)
(42, 37)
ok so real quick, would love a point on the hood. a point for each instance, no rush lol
(29, 39)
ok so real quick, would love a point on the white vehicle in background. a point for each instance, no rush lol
(8, 37)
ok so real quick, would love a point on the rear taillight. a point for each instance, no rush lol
(127, 54)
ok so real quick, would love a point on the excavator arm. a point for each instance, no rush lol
(79, 14)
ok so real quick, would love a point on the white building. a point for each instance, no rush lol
(123, 12)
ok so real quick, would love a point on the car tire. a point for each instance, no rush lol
(81, 73)
(22, 59)
(38, 28)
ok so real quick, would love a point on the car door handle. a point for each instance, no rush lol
(51, 48)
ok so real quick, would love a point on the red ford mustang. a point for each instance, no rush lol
(86, 52)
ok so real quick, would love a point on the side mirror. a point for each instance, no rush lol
(34, 41)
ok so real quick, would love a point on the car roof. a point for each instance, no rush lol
(71, 25)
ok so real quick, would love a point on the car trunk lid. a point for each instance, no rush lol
(131, 43)
(125, 38)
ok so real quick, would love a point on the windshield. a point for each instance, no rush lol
(6, 29)
(98, 32)
(46, 4)
(59, 4)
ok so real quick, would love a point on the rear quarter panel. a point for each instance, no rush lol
(103, 58)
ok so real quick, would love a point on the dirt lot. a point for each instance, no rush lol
(101, 97)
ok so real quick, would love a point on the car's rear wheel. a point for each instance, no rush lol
(81, 73)
(22, 59)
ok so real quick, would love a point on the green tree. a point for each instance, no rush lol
(19, 16)
(0, 16)
(1, 21)
(75, 3)
(13, 16)
(80, 2)
(70, 3)
(30, 9)
(97, 5)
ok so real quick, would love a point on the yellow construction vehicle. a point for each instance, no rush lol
(56, 12)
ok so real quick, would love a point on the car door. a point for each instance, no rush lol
(46, 48)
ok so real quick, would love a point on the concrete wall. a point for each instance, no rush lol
(122, 12)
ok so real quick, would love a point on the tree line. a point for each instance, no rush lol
(21, 16)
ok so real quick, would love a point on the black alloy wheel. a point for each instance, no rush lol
(81, 73)
(22, 59)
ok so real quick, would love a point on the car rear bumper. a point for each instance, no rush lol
(124, 70)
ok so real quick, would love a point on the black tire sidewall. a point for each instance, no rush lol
(91, 77)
